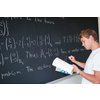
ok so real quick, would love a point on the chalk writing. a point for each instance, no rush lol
(71, 38)
(37, 19)
(62, 51)
(4, 30)
(48, 22)
(30, 55)
(11, 43)
(29, 69)
(34, 47)
(12, 57)
(75, 50)
(58, 42)
(43, 67)
(15, 18)
(10, 73)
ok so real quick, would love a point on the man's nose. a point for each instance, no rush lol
(82, 44)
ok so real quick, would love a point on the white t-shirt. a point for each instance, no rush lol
(92, 63)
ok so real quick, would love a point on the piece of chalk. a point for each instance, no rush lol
(69, 57)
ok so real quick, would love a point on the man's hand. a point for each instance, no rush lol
(72, 58)
(75, 68)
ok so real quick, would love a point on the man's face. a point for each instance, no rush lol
(86, 42)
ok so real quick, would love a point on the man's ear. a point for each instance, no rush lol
(91, 37)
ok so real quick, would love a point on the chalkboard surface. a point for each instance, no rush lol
(29, 45)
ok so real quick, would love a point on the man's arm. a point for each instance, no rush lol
(92, 78)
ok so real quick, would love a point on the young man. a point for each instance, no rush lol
(91, 72)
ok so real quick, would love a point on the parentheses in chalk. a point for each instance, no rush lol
(14, 43)
(23, 42)
(17, 56)
(7, 28)
(6, 44)
(4, 28)
(2, 59)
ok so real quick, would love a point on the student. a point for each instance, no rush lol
(91, 72)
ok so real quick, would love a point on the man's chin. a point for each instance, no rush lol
(87, 48)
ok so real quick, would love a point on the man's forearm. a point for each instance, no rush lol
(89, 77)
(80, 64)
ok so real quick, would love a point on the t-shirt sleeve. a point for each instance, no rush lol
(96, 62)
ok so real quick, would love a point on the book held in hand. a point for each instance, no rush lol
(62, 66)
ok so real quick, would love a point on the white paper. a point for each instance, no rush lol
(62, 65)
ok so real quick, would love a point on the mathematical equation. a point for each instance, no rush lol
(27, 42)
(13, 57)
